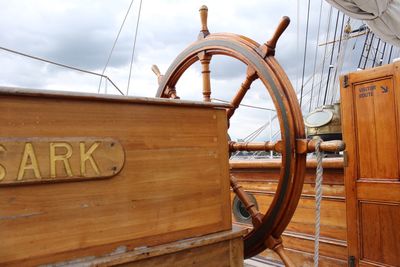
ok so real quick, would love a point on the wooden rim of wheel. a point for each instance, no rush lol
(262, 65)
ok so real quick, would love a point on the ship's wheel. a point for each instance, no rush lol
(261, 64)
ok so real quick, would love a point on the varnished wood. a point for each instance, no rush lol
(63, 159)
(65, 95)
(256, 216)
(371, 127)
(157, 72)
(301, 258)
(170, 92)
(327, 146)
(147, 203)
(276, 245)
(218, 249)
(291, 122)
(251, 75)
(303, 146)
(254, 146)
(205, 71)
(329, 163)
(268, 49)
(260, 178)
(203, 17)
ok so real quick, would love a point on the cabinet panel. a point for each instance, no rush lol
(376, 130)
(379, 232)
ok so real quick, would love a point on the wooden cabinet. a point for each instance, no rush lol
(169, 183)
(370, 102)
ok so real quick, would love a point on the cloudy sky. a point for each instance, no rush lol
(81, 33)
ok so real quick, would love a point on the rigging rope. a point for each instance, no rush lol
(318, 198)
(340, 56)
(62, 65)
(316, 54)
(244, 105)
(305, 54)
(376, 52)
(331, 60)
(326, 47)
(383, 54)
(363, 49)
(340, 62)
(369, 49)
(115, 42)
(298, 45)
(390, 54)
(134, 46)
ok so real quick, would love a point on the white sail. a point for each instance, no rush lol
(382, 16)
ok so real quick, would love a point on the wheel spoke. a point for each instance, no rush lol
(255, 146)
(170, 92)
(205, 70)
(302, 146)
(256, 216)
(251, 76)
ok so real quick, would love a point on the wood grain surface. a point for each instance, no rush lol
(371, 127)
(174, 183)
(260, 178)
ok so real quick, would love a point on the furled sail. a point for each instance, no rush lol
(382, 16)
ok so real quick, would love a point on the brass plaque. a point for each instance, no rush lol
(41, 159)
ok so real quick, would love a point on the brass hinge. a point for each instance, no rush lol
(345, 81)
(352, 261)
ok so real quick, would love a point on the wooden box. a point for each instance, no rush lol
(370, 102)
(83, 175)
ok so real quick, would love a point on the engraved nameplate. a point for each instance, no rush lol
(41, 159)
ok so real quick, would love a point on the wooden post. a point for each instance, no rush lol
(205, 70)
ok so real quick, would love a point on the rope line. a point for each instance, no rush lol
(305, 54)
(62, 65)
(343, 40)
(115, 42)
(244, 105)
(331, 60)
(338, 55)
(134, 46)
(318, 199)
(316, 54)
(324, 58)
(298, 44)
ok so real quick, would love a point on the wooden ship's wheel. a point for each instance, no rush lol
(261, 64)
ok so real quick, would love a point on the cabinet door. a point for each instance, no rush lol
(370, 110)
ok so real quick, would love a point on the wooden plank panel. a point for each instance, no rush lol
(301, 258)
(264, 171)
(262, 181)
(374, 102)
(379, 233)
(305, 245)
(378, 191)
(333, 219)
(174, 183)
(370, 116)
(183, 252)
(331, 192)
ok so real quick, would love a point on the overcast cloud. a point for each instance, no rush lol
(81, 33)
